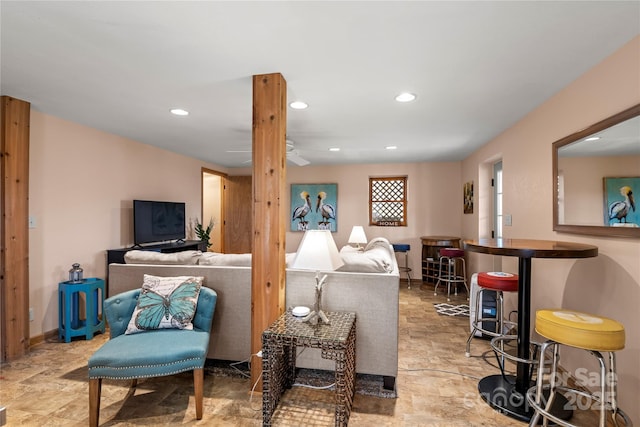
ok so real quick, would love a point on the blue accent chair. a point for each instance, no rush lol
(151, 353)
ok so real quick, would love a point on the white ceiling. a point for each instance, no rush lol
(476, 67)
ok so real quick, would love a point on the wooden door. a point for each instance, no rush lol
(238, 216)
(213, 207)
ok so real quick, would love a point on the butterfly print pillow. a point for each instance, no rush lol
(165, 303)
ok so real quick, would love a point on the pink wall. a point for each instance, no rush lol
(608, 285)
(434, 202)
(582, 176)
(82, 183)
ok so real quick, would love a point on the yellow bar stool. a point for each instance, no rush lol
(451, 263)
(499, 282)
(595, 334)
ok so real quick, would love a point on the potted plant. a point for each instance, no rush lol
(204, 233)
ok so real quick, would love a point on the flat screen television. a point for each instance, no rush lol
(155, 221)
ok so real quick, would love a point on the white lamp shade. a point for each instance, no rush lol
(357, 235)
(317, 251)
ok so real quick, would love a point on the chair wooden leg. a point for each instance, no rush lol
(198, 385)
(95, 385)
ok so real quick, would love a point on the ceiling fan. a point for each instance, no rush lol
(292, 154)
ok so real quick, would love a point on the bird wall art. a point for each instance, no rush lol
(314, 207)
(299, 212)
(620, 205)
(619, 209)
(327, 211)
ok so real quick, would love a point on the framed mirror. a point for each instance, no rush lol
(596, 176)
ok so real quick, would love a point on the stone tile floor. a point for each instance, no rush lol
(436, 385)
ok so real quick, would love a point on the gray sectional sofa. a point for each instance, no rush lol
(373, 296)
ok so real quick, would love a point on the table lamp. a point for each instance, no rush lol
(317, 251)
(357, 236)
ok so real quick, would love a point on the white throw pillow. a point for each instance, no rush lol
(379, 242)
(374, 260)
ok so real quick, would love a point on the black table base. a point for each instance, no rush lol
(501, 394)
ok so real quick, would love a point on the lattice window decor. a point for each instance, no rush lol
(388, 201)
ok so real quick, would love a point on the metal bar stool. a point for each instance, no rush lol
(451, 259)
(595, 334)
(404, 248)
(499, 282)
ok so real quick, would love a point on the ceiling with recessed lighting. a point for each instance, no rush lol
(475, 67)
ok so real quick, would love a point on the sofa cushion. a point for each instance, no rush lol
(288, 258)
(235, 260)
(153, 257)
(165, 303)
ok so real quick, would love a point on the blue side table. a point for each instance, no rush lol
(69, 323)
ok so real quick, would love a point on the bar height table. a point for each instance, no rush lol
(507, 395)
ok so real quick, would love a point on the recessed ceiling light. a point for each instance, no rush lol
(593, 138)
(334, 149)
(298, 105)
(391, 147)
(179, 112)
(405, 97)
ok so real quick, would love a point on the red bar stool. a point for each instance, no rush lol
(452, 259)
(585, 331)
(499, 282)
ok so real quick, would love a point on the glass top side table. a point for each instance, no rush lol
(337, 341)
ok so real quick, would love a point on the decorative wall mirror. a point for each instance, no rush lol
(596, 176)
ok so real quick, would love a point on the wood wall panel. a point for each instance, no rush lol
(14, 240)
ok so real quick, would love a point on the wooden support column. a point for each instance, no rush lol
(14, 233)
(269, 178)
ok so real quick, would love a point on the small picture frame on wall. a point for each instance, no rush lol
(314, 207)
(620, 208)
(468, 197)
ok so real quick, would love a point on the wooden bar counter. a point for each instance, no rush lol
(431, 246)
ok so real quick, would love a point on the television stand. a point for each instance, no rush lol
(116, 256)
